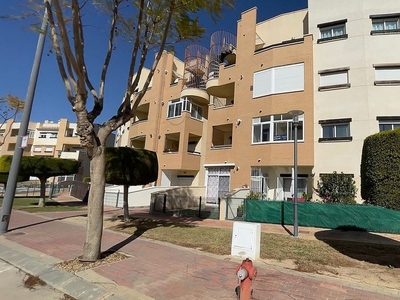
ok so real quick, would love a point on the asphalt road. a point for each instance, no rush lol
(12, 286)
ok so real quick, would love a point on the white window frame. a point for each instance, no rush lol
(273, 120)
(42, 135)
(269, 82)
(48, 149)
(37, 149)
(31, 133)
(259, 182)
(196, 111)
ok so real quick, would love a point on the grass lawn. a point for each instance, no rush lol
(30, 205)
(308, 255)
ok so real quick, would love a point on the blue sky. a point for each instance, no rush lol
(18, 47)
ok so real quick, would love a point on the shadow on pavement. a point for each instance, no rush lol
(140, 226)
(363, 246)
(47, 221)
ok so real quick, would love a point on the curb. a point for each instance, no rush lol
(58, 279)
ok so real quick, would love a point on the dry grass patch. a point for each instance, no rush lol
(308, 255)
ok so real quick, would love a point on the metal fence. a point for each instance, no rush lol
(235, 208)
(113, 199)
(196, 208)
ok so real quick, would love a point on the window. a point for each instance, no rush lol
(335, 130)
(259, 182)
(388, 123)
(53, 135)
(175, 108)
(332, 30)
(48, 149)
(333, 79)
(42, 135)
(37, 149)
(31, 133)
(276, 80)
(387, 74)
(385, 24)
(276, 128)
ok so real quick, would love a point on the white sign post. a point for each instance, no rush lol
(24, 142)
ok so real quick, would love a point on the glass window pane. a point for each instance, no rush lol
(325, 33)
(280, 131)
(342, 130)
(377, 25)
(327, 131)
(256, 133)
(383, 127)
(265, 133)
(171, 111)
(391, 25)
(338, 31)
(300, 131)
(396, 126)
(178, 109)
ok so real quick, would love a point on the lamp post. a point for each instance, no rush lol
(5, 213)
(295, 114)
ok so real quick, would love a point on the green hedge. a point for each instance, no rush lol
(380, 169)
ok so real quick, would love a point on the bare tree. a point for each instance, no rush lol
(10, 108)
(152, 25)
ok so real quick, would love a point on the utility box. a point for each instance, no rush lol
(246, 240)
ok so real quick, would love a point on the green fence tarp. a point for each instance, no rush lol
(322, 215)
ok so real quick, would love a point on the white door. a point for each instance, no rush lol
(218, 183)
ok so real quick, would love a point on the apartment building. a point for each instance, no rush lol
(220, 118)
(356, 50)
(49, 139)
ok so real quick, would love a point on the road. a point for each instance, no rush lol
(13, 287)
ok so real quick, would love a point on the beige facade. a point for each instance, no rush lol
(219, 118)
(356, 78)
(48, 139)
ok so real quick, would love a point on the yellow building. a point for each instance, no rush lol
(219, 117)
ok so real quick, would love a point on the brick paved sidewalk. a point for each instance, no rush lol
(163, 271)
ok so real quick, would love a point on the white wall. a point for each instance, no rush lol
(363, 101)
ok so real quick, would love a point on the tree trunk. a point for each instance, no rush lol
(42, 199)
(126, 207)
(94, 223)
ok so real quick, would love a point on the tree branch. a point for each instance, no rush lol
(98, 105)
(60, 62)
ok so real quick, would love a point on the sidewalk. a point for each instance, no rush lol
(156, 270)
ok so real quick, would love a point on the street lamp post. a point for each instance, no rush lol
(8, 199)
(295, 114)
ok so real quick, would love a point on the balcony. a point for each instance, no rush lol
(222, 136)
(138, 142)
(141, 113)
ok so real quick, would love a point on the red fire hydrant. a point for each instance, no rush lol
(245, 272)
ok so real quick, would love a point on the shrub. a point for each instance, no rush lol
(380, 169)
(337, 188)
(254, 195)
